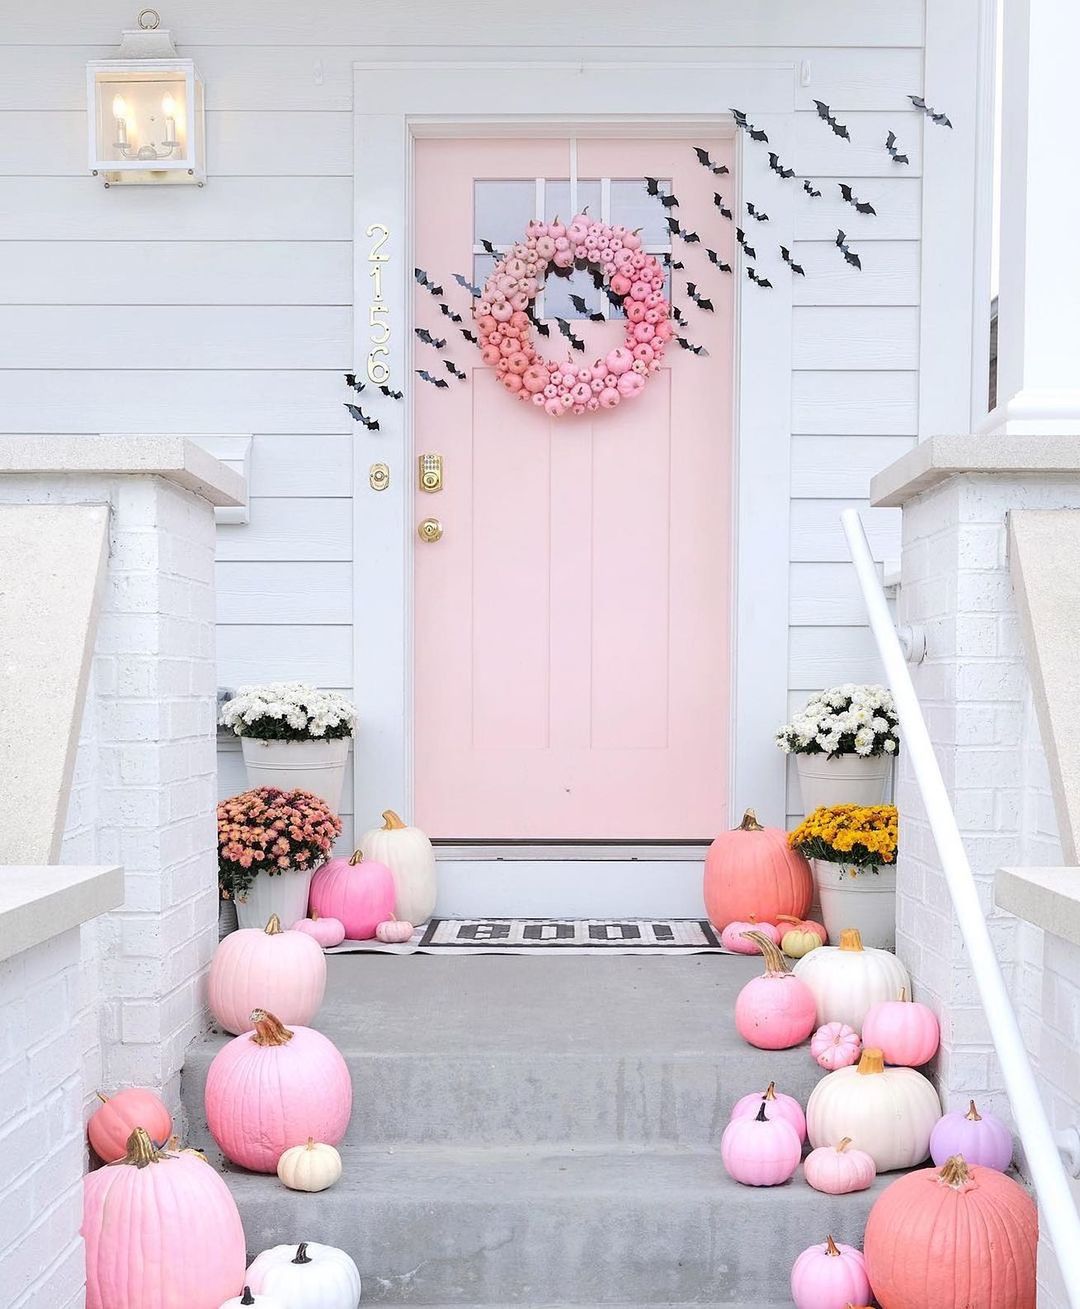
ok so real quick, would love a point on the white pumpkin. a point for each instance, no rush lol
(306, 1276)
(888, 1112)
(253, 1301)
(847, 979)
(311, 1167)
(408, 854)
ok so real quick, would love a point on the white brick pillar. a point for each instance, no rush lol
(144, 786)
(956, 494)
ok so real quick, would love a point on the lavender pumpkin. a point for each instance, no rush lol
(980, 1138)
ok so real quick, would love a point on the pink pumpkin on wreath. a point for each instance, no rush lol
(358, 892)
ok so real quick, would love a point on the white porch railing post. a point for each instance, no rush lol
(1044, 1163)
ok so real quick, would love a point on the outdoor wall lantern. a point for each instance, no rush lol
(145, 111)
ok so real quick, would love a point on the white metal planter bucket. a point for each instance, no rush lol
(866, 901)
(284, 894)
(847, 779)
(316, 766)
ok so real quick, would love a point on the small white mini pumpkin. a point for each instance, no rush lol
(250, 1301)
(394, 932)
(408, 854)
(311, 1167)
(306, 1276)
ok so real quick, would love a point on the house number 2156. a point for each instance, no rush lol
(378, 310)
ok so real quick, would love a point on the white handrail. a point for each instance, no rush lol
(1043, 1161)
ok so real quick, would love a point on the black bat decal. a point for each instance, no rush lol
(785, 255)
(704, 160)
(437, 341)
(808, 187)
(890, 145)
(602, 286)
(718, 201)
(679, 317)
(861, 206)
(578, 301)
(763, 282)
(825, 113)
(778, 168)
(754, 212)
(852, 258)
(699, 300)
(440, 382)
(755, 133)
(694, 349)
(669, 261)
(934, 115)
(740, 236)
(449, 313)
(451, 367)
(488, 247)
(568, 332)
(427, 283)
(471, 287)
(352, 383)
(538, 323)
(715, 259)
(391, 395)
(652, 185)
(469, 336)
(675, 230)
(372, 424)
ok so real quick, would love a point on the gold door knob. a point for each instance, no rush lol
(430, 530)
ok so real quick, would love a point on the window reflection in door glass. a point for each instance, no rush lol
(502, 208)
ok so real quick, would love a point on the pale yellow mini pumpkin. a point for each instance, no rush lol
(310, 1167)
(408, 853)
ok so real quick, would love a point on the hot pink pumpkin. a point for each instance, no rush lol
(777, 1105)
(266, 968)
(830, 1276)
(358, 892)
(760, 1151)
(394, 932)
(777, 1010)
(753, 872)
(980, 1138)
(734, 937)
(162, 1232)
(839, 1170)
(326, 932)
(906, 1032)
(835, 1045)
(112, 1123)
(274, 1087)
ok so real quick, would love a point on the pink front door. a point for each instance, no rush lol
(572, 624)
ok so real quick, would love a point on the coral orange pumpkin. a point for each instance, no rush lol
(752, 873)
(112, 1123)
(952, 1238)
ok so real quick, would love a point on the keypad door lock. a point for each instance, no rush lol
(430, 473)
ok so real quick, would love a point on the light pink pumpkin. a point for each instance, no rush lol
(358, 892)
(734, 937)
(161, 1231)
(838, 1169)
(326, 932)
(274, 1087)
(112, 1123)
(835, 1045)
(394, 932)
(777, 1105)
(777, 1010)
(266, 968)
(906, 1032)
(829, 1276)
(760, 1151)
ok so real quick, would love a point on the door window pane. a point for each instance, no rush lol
(558, 290)
(502, 209)
(632, 206)
(557, 197)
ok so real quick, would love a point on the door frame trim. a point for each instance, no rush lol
(396, 102)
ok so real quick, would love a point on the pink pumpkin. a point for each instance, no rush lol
(760, 1151)
(394, 932)
(835, 1045)
(980, 1138)
(358, 892)
(829, 1276)
(785, 921)
(266, 968)
(839, 1170)
(111, 1125)
(906, 1032)
(777, 1010)
(734, 937)
(326, 932)
(777, 1105)
(274, 1087)
(161, 1231)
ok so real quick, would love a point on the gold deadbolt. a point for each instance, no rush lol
(430, 530)
(379, 477)
(430, 472)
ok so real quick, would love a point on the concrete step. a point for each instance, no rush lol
(543, 1226)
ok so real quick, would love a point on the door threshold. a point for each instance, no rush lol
(576, 851)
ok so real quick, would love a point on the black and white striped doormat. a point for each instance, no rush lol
(460, 936)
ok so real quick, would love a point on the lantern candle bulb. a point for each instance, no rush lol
(119, 108)
(168, 108)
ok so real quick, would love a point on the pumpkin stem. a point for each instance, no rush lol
(103, 1098)
(902, 997)
(787, 918)
(247, 1297)
(831, 1247)
(770, 1092)
(141, 1150)
(750, 823)
(774, 960)
(871, 1061)
(302, 1256)
(762, 1116)
(391, 822)
(850, 939)
(973, 1115)
(356, 858)
(955, 1173)
(273, 926)
(841, 1146)
(268, 1029)
(310, 1143)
